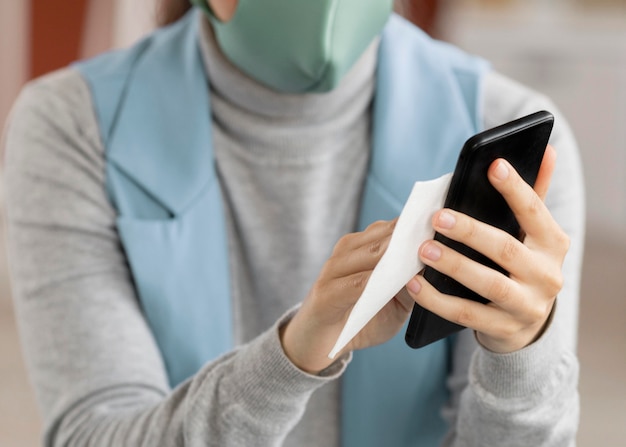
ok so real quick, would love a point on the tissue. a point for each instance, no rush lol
(400, 261)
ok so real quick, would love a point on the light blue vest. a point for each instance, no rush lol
(153, 106)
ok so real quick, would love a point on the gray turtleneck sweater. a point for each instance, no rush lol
(286, 164)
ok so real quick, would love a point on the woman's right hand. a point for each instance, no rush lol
(310, 335)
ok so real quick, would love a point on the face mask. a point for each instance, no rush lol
(299, 46)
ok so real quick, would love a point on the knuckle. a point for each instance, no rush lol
(555, 283)
(455, 267)
(533, 312)
(551, 280)
(499, 290)
(377, 224)
(344, 242)
(535, 205)
(359, 280)
(510, 250)
(563, 241)
(465, 317)
(470, 229)
(374, 247)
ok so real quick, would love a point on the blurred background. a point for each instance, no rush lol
(572, 50)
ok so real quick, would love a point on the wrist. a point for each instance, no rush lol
(297, 340)
(534, 370)
(518, 341)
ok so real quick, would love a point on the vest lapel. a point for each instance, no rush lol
(168, 89)
(162, 179)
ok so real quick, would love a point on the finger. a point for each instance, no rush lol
(405, 300)
(497, 330)
(485, 281)
(542, 184)
(359, 259)
(376, 230)
(522, 263)
(528, 208)
(480, 317)
(499, 246)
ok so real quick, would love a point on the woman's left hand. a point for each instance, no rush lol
(521, 303)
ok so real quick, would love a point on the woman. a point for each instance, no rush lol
(169, 206)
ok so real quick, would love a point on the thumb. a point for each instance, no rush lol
(542, 184)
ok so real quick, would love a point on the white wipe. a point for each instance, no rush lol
(400, 262)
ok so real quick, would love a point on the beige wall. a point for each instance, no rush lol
(13, 51)
(113, 23)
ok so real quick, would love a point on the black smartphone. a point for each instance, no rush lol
(522, 143)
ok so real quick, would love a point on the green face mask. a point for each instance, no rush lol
(299, 46)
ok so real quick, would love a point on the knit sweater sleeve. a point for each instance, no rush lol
(97, 372)
(529, 397)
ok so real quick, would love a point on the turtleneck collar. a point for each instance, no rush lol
(249, 95)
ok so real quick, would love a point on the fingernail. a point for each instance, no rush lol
(502, 171)
(446, 220)
(414, 286)
(431, 251)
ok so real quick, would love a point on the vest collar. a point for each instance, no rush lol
(139, 151)
(398, 119)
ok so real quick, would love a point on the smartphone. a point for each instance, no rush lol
(522, 143)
